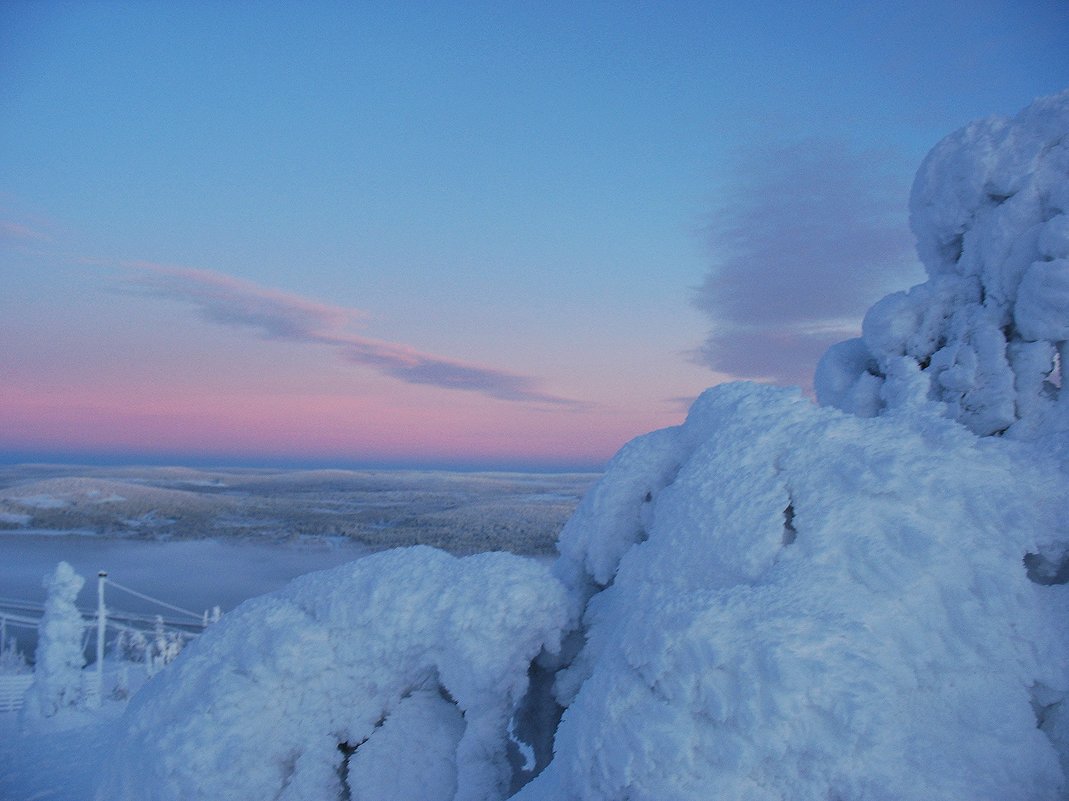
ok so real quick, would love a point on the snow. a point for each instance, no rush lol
(461, 512)
(57, 682)
(863, 600)
(352, 656)
(43, 501)
(990, 210)
(411, 756)
(880, 640)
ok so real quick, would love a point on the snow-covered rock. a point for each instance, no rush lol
(985, 337)
(411, 661)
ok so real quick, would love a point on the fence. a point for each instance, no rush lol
(26, 614)
(13, 689)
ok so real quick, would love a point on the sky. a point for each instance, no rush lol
(467, 235)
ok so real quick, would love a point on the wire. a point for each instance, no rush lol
(142, 596)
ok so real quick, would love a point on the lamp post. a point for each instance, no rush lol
(102, 623)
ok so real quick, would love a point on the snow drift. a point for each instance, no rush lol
(773, 601)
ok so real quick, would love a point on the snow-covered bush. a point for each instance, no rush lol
(404, 666)
(154, 653)
(165, 648)
(986, 335)
(130, 645)
(59, 659)
(784, 602)
(12, 660)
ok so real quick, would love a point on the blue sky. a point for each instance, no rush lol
(510, 233)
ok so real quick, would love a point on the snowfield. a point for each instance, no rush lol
(864, 600)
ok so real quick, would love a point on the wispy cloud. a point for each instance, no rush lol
(810, 236)
(279, 315)
(224, 299)
(13, 232)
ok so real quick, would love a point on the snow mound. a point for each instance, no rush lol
(811, 605)
(986, 335)
(405, 666)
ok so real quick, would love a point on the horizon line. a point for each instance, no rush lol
(28, 458)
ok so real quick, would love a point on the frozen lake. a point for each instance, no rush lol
(196, 574)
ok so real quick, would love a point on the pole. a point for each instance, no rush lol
(102, 623)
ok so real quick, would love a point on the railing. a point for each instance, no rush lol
(13, 690)
(28, 614)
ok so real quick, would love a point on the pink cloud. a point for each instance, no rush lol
(235, 302)
(227, 300)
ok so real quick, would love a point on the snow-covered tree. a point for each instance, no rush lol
(986, 336)
(12, 660)
(165, 647)
(59, 659)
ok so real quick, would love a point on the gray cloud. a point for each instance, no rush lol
(782, 354)
(231, 301)
(809, 237)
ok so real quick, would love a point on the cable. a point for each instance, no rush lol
(142, 596)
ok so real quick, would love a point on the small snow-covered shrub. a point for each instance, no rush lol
(155, 652)
(165, 647)
(12, 660)
(59, 659)
(404, 666)
(130, 645)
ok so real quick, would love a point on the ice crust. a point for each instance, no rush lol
(775, 601)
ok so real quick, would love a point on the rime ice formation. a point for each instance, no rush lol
(57, 675)
(986, 335)
(775, 601)
(789, 602)
(414, 658)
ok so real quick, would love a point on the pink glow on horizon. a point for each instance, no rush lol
(314, 427)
